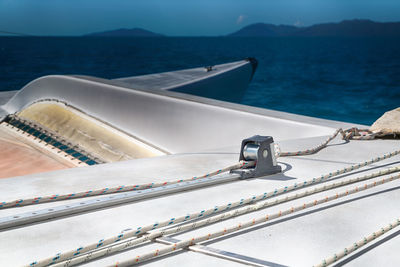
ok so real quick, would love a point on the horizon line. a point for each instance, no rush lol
(19, 34)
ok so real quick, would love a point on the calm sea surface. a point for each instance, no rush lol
(354, 80)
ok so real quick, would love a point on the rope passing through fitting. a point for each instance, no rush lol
(117, 189)
(114, 248)
(204, 213)
(218, 209)
(352, 133)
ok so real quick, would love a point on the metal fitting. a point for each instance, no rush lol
(261, 150)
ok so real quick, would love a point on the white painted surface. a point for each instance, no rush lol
(205, 135)
(300, 241)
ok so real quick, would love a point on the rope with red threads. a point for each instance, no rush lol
(352, 133)
(255, 221)
(356, 245)
(118, 189)
(130, 238)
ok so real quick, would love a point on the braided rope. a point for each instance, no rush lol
(353, 133)
(346, 135)
(216, 209)
(350, 133)
(244, 210)
(189, 242)
(111, 190)
(356, 245)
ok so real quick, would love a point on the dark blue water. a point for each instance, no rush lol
(354, 80)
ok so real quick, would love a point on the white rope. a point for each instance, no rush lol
(123, 188)
(106, 251)
(352, 133)
(205, 213)
(111, 190)
(189, 242)
(356, 245)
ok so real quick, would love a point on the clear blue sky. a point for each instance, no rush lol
(181, 17)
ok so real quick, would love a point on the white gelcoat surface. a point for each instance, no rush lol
(301, 241)
(205, 135)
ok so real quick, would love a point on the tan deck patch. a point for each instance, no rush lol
(19, 158)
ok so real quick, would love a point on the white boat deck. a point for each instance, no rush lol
(302, 239)
(299, 240)
(173, 79)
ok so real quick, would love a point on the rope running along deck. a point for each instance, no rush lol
(247, 224)
(124, 188)
(356, 245)
(105, 251)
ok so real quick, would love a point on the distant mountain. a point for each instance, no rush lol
(346, 28)
(135, 32)
(355, 27)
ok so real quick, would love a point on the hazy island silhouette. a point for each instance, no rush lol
(346, 28)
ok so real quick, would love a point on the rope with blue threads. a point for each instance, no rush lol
(347, 134)
(212, 211)
(267, 217)
(118, 189)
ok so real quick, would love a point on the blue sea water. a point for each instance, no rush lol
(347, 79)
